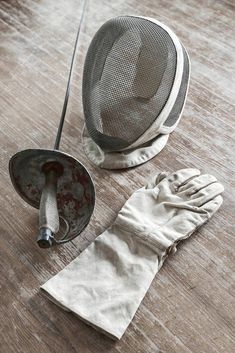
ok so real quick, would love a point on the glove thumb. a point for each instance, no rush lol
(155, 180)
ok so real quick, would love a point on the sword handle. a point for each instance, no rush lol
(49, 221)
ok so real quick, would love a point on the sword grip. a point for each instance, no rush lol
(49, 222)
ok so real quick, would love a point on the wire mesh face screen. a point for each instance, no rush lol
(135, 82)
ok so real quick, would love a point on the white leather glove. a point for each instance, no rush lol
(106, 283)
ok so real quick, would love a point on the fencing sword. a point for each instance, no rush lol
(55, 182)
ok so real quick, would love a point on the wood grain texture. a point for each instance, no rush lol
(190, 306)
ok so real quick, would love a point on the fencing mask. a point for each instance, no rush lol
(135, 82)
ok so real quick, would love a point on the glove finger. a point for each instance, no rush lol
(197, 183)
(182, 176)
(212, 206)
(155, 180)
(206, 194)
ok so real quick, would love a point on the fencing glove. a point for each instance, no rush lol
(106, 283)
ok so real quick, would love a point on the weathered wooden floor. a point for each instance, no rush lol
(190, 306)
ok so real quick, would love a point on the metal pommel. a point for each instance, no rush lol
(45, 238)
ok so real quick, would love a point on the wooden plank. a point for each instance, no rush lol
(190, 304)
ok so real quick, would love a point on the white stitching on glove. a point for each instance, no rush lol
(106, 283)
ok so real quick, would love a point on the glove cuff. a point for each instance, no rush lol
(106, 283)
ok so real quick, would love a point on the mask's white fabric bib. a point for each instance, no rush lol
(123, 159)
